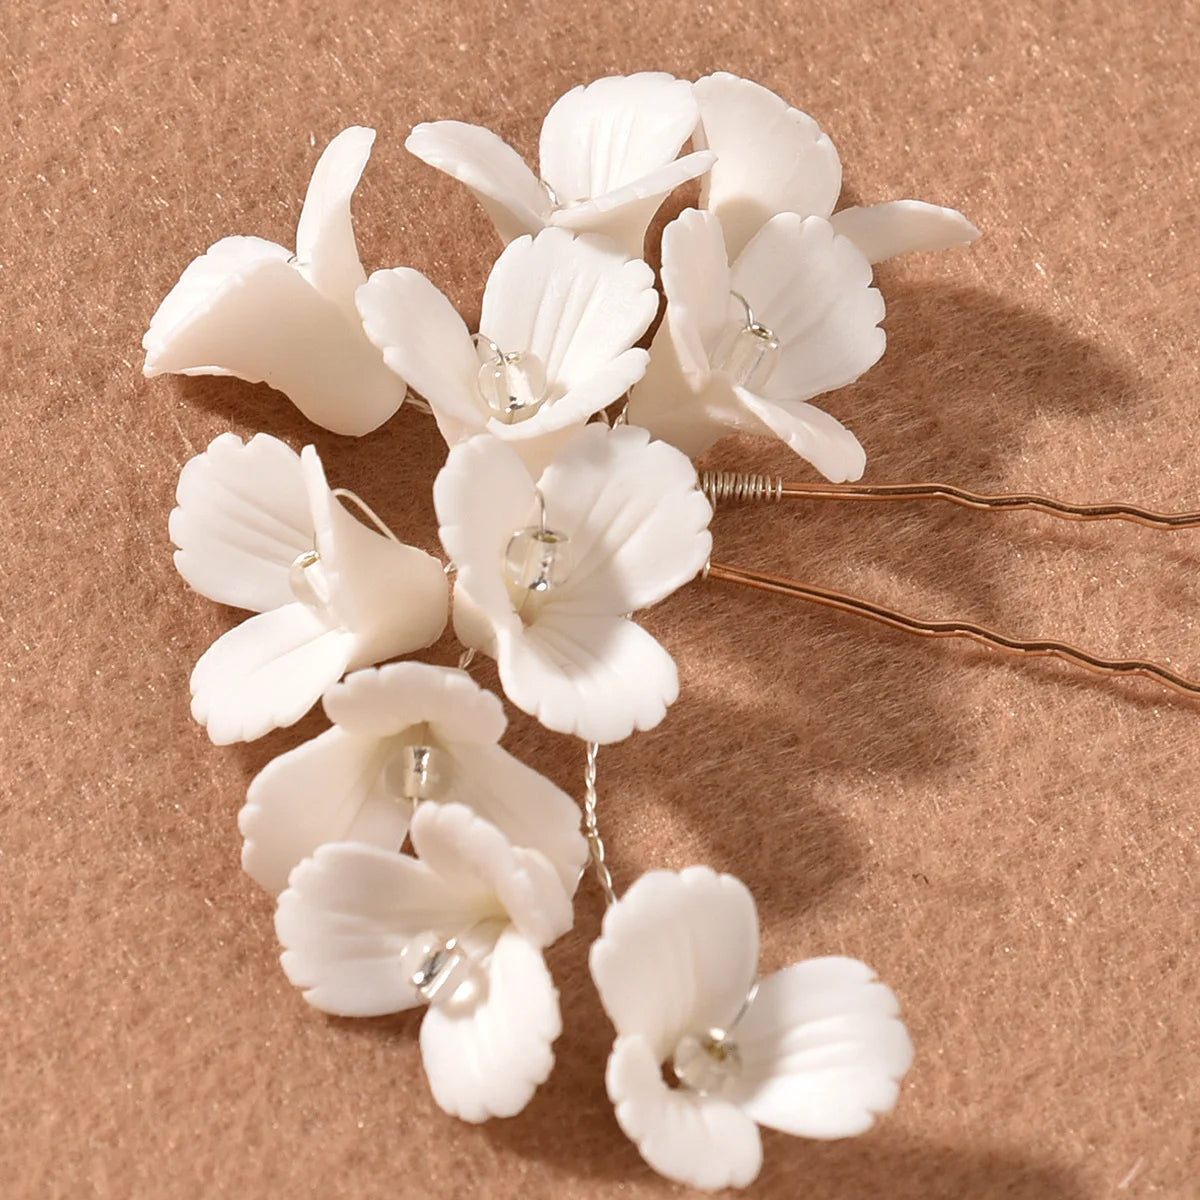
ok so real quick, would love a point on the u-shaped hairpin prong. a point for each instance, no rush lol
(724, 485)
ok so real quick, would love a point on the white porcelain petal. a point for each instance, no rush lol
(325, 790)
(812, 287)
(393, 598)
(697, 283)
(771, 158)
(637, 523)
(486, 1059)
(424, 341)
(669, 408)
(347, 915)
(575, 302)
(624, 214)
(241, 519)
(483, 495)
(599, 678)
(903, 226)
(386, 700)
(612, 132)
(822, 1050)
(701, 1141)
(677, 955)
(325, 247)
(244, 309)
(267, 672)
(508, 190)
(524, 805)
(469, 852)
(812, 433)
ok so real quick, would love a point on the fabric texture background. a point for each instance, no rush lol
(1012, 846)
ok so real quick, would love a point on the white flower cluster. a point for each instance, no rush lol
(558, 526)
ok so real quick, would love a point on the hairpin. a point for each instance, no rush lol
(415, 862)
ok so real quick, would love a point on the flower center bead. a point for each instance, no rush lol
(435, 966)
(512, 385)
(747, 351)
(309, 584)
(705, 1064)
(537, 559)
(415, 772)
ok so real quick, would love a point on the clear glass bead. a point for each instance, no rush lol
(705, 1064)
(513, 385)
(537, 559)
(435, 967)
(306, 578)
(415, 772)
(747, 353)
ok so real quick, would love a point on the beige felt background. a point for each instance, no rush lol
(1012, 846)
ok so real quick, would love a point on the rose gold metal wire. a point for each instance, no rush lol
(591, 829)
(742, 487)
(964, 629)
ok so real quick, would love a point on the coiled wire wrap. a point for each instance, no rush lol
(739, 486)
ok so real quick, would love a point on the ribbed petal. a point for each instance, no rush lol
(771, 158)
(486, 1059)
(267, 672)
(325, 247)
(677, 955)
(244, 309)
(697, 283)
(903, 226)
(326, 790)
(387, 700)
(812, 433)
(393, 598)
(701, 1141)
(638, 525)
(241, 521)
(424, 341)
(348, 914)
(812, 288)
(614, 131)
(599, 678)
(822, 1050)
(508, 190)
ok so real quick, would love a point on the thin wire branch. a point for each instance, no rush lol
(742, 487)
(963, 629)
(590, 828)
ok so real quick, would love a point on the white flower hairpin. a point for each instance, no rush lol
(415, 862)
(253, 309)
(608, 155)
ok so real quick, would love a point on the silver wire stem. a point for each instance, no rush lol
(590, 828)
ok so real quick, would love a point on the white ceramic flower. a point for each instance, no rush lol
(560, 315)
(403, 734)
(771, 158)
(257, 527)
(815, 1050)
(608, 159)
(252, 309)
(461, 928)
(549, 571)
(744, 348)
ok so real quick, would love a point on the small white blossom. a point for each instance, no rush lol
(258, 528)
(549, 569)
(816, 1050)
(251, 308)
(403, 734)
(743, 348)
(559, 320)
(460, 928)
(771, 158)
(608, 160)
